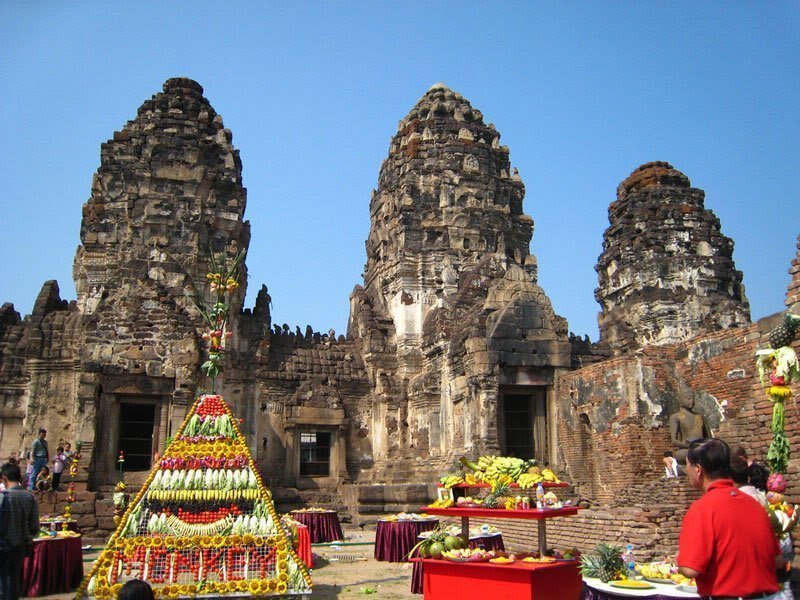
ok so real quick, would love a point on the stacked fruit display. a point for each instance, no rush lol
(203, 523)
(439, 541)
(500, 469)
(662, 572)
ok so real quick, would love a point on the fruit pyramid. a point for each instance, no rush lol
(203, 524)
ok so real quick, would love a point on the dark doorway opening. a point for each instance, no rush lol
(524, 424)
(315, 453)
(519, 425)
(136, 423)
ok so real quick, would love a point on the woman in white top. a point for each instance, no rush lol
(670, 465)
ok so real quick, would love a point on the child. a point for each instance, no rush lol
(29, 473)
(58, 467)
(43, 480)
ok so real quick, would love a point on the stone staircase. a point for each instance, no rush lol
(375, 501)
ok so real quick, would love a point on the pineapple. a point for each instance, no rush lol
(784, 334)
(604, 563)
(496, 499)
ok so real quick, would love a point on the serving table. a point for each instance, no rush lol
(519, 580)
(485, 541)
(540, 515)
(58, 524)
(395, 539)
(56, 567)
(303, 546)
(594, 589)
(323, 525)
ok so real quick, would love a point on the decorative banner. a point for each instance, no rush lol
(203, 524)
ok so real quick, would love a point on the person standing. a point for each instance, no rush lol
(670, 465)
(726, 543)
(58, 467)
(19, 524)
(41, 456)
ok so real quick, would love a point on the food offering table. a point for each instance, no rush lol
(323, 525)
(519, 580)
(594, 589)
(540, 515)
(395, 539)
(56, 567)
(303, 546)
(57, 524)
(486, 541)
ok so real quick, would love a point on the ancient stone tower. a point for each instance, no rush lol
(450, 310)
(666, 273)
(168, 192)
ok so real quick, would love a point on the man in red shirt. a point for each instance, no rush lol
(726, 542)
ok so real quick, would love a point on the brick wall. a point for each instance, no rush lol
(613, 429)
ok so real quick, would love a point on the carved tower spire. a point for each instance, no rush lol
(446, 198)
(666, 272)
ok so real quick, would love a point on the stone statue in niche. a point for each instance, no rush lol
(94, 299)
(685, 426)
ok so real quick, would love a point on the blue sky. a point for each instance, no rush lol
(582, 93)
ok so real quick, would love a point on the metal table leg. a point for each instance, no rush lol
(542, 537)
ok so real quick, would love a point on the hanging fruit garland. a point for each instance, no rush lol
(777, 368)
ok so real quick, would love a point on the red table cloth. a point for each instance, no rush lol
(322, 526)
(445, 580)
(303, 546)
(494, 542)
(56, 567)
(395, 539)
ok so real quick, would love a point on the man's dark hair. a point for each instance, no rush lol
(11, 472)
(60, 449)
(757, 475)
(713, 455)
(135, 589)
(739, 451)
(668, 453)
(42, 430)
(739, 470)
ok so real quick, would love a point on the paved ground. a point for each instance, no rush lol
(343, 572)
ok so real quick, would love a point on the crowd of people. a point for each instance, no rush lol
(736, 539)
(43, 472)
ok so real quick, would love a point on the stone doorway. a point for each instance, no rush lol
(138, 433)
(523, 423)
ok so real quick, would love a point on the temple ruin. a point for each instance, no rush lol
(452, 346)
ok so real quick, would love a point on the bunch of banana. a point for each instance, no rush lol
(505, 465)
(550, 476)
(470, 479)
(441, 503)
(451, 480)
(528, 480)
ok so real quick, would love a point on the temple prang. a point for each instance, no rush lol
(452, 347)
